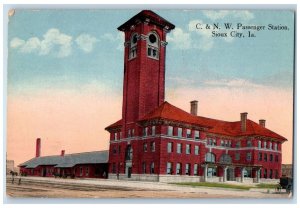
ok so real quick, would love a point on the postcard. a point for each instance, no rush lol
(150, 103)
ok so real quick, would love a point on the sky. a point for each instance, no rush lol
(65, 74)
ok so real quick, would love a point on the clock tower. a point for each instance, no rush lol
(144, 65)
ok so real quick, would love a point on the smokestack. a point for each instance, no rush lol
(262, 122)
(243, 121)
(38, 147)
(194, 107)
(62, 153)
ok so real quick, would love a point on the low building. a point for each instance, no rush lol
(287, 170)
(82, 165)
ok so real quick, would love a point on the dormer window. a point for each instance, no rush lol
(152, 46)
(133, 46)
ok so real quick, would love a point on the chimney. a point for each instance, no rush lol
(262, 122)
(243, 121)
(194, 107)
(38, 147)
(62, 153)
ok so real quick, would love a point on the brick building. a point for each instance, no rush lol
(79, 165)
(157, 141)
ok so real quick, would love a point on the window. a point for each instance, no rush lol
(195, 169)
(129, 133)
(87, 171)
(116, 136)
(249, 143)
(237, 156)
(114, 168)
(265, 173)
(153, 131)
(145, 147)
(211, 172)
(170, 147)
(210, 157)
(276, 173)
(188, 133)
(81, 171)
(152, 146)
(259, 144)
(209, 141)
(260, 156)
(222, 143)
(152, 168)
(179, 132)
(153, 45)
(179, 148)
(144, 167)
(169, 168)
(270, 146)
(265, 144)
(214, 142)
(133, 46)
(276, 158)
(271, 173)
(265, 157)
(238, 144)
(178, 168)
(271, 158)
(249, 156)
(128, 155)
(197, 135)
(132, 132)
(226, 143)
(145, 131)
(187, 169)
(275, 147)
(170, 130)
(188, 149)
(196, 150)
(114, 150)
(229, 143)
(120, 135)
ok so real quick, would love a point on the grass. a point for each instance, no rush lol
(266, 185)
(217, 185)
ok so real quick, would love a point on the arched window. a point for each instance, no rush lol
(210, 157)
(153, 45)
(133, 46)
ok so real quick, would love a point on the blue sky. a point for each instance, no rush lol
(66, 49)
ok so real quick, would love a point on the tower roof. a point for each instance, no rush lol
(149, 16)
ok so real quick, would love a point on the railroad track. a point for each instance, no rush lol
(70, 185)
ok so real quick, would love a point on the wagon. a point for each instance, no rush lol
(286, 183)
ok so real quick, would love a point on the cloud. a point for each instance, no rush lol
(216, 15)
(180, 39)
(232, 83)
(16, 43)
(54, 42)
(54, 38)
(118, 39)
(86, 42)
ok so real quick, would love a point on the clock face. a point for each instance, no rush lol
(152, 38)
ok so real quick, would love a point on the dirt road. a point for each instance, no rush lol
(67, 188)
